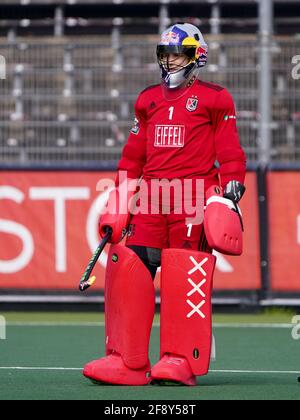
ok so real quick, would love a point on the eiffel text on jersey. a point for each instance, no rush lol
(169, 136)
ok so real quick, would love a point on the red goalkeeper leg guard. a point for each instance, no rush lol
(129, 312)
(186, 316)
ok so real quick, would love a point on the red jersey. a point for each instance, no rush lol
(184, 138)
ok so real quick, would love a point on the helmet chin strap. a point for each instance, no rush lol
(192, 81)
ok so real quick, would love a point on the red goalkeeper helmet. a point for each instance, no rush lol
(181, 39)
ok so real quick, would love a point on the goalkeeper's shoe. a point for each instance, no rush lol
(112, 370)
(173, 370)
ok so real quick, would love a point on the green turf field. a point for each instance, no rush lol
(43, 355)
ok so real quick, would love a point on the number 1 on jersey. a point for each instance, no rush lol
(189, 232)
(171, 109)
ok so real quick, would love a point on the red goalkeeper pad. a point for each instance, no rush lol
(129, 312)
(186, 310)
(129, 307)
(223, 224)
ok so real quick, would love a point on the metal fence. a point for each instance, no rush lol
(71, 101)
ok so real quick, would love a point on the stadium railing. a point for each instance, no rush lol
(73, 101)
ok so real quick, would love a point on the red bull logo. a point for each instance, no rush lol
(170, 38)
(201, 52)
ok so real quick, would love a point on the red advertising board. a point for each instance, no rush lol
(284, 221)
(48, 232)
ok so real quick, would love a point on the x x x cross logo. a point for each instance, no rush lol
(196, 309)
(197, 288)
(198, 266)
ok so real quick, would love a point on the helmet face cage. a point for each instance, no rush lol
(181, 40)
(188, 54)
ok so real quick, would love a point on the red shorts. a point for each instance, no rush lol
(166, 231)
(172, 228)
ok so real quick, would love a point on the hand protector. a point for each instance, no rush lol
(223, 223)
(117, 213)
(234, 190)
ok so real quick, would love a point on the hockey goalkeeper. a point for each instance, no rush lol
(183, 126)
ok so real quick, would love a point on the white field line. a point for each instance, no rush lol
(252, 325)
(38, 368)
(54, 324)
(267, 372)
(156, 324)
(264, 372)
